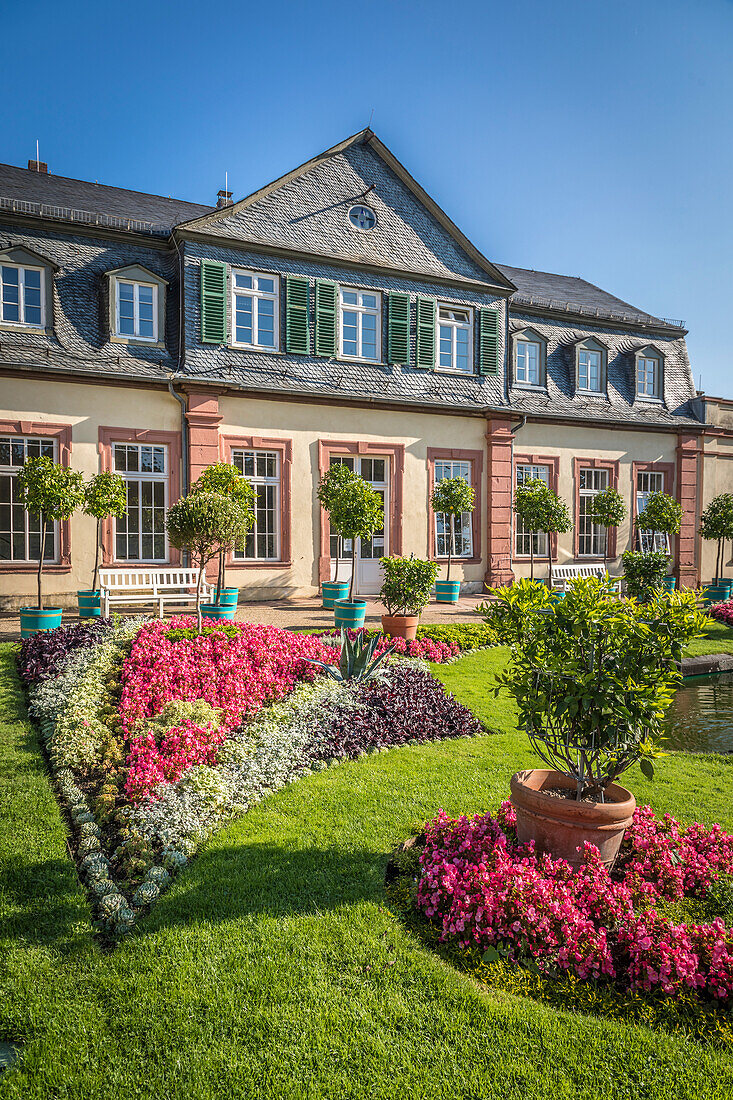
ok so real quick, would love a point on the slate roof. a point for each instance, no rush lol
(22, 186)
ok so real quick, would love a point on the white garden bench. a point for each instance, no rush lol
(562, 575)
(150, 586)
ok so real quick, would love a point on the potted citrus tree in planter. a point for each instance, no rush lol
(592, 677)
(225, 478)
(608, 510)
(201, 524)
(330, 491)
(53, 493)
(105, 495)
(357, 514)
(541, 510)
(716, 522)
(662, 515)
(451, 497)
(406, 590)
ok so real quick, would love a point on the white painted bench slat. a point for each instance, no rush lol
(151, 586)
(563, 574)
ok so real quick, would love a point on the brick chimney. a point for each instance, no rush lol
(223, 198)
(38, 166)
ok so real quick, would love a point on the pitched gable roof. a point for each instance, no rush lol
(306, 211)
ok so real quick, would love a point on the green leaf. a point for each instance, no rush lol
(647, 768)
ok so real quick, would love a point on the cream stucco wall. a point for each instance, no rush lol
(575, 441)
(717, 477)
(85, 408)
(305, 425)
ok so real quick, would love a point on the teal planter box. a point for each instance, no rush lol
(725, 582)
(334, 590)
(349, 613)
(670, 583)
(715, 593)
(90, 603)
(447, 591)
(557, 596)
(229, 597)
(217, 611)
(32, 620)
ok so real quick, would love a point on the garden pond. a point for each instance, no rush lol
(701, 716)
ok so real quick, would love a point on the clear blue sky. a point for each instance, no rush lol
(585, 138)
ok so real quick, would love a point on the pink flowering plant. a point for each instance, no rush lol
(485, 893)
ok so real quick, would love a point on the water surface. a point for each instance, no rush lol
(701, 716)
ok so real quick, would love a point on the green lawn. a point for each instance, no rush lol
(719, 639)
(273, 968)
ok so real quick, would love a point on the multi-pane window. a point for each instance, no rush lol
(528, 542)
(463, 524)
(648, 482)
(349, 462)
(455, 339)
(140, 533)
(262, 469)
(375, 471)
(590, 370)
(528, 368)
(21, 299)
(591, 536)
(255, 309)
(361, 324)
(137, 310)
(20, 532)
(648, 376)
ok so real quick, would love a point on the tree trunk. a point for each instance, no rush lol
(549, 555)
(353, 569)
(220, 577)
(450, 546)
(199, 621)
(40, 561)
(531, 555)
(96, 556)
(719, 559)
(339, 552)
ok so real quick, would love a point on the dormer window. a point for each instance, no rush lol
(529, 359)
(590, 366)
(649, 373)
(136, 305)
(25, 289)
(455, 343)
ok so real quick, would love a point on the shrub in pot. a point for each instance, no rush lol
(53, 493)
(592, 677)
(225, 478)
(541, 510)
(451, 498)
(661, 515)
(357, 514)
(608, 510)
(644, 574)
(105, 495)
(406, 590)
(331, 489)
(201, 524)
(716, 522)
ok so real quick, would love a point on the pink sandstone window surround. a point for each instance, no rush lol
(284, 449)
(552, 462)
(475, 459)
(612, 468)
(61, 434)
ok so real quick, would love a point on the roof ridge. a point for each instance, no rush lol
(108, 186)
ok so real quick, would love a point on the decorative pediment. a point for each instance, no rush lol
(528, 333)
(136, 273)
(19, 254)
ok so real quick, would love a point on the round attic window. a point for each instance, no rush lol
(362, 217)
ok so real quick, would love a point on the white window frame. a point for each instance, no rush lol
(256, 295)
(535, 471)
(587, 388)
(141, 476)
(21, 269)
(520, 341)
(598, 534)
(641, 386)
(256, 482)
(454, 325)
(360, 310)
(644, 538)
(135, 335)
(11, 471)
(457, 467)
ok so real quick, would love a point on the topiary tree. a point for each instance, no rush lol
(541, 509)
(608, 510)
(662, 515)
(104, 495)
(452, 497)
(357, 514)
(557, 521)
(330, 491)
(52, 492)
(716, 522)
(225, 478)
(201, 524)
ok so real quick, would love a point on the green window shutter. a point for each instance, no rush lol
(488, 351)
(297, 325)
(326, 318)
(213, 302)
(398, 329)
(425, 352)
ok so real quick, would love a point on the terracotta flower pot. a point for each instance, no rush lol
(401, 626)
(561, 826)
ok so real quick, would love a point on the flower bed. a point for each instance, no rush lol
(157, 735)
(723, 612)
(493, 901)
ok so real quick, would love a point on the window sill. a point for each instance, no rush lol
(525, 559)
(32, 567)
(528, 386)
(473, 560)
(456, 372)
(256, 347)
(600, 394)
(646, 400)
(359, 359)
(136, 341)
(261, 564)
(36, 330)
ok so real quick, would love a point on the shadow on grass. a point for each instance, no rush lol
(42, 904)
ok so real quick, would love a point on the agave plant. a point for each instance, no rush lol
(355, 662)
